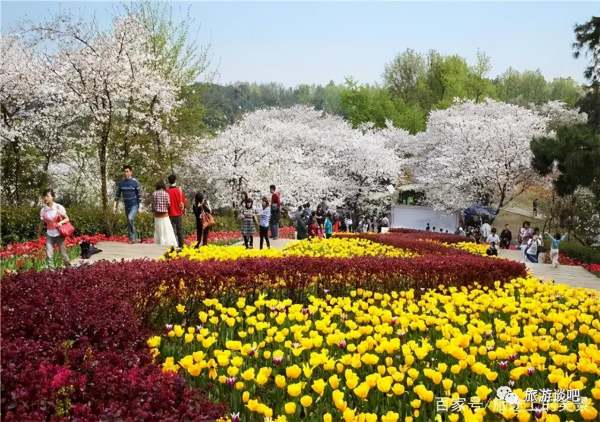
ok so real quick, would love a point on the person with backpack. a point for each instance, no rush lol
(176, 209)
(203, 218)
(53, 215)
(129, 188)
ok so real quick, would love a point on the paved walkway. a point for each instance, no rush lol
(571, 275)
(116, 251)
(277, 243)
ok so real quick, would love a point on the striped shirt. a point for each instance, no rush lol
(130, 189)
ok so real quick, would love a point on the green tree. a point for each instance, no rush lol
(566, 90)
(575, 153)
(587, 42)
(479, 85)
(403, 74)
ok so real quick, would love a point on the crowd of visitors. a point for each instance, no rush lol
(169, 205)
(324, 222)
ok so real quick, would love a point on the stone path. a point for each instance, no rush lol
(116, 251)
(276, 244)
(571, 275)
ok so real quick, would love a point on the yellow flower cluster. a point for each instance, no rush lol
(471, 247)
(343, 248)
(330, 248)
(372, 356)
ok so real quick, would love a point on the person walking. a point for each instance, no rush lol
(300, 222)
(275, 212)
(328, 225)
(164, 234)
(248, 217)
(54, 215)
(554, 245)
(532, 249)
(525, 234)
(201, 209)
(129, 188)
(176, 209)
(349, 223)
(505, 237)
(534, 207)
(264, 218)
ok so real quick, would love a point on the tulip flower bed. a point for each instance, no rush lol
(23, 256)
(369, 356)
(73, 342)
(346, 247)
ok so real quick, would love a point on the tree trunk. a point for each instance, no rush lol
(102, 158)
(17, 151)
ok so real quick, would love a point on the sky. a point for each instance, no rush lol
(316, 42)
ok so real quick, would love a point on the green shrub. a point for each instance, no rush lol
(22, 223)
(581, 252)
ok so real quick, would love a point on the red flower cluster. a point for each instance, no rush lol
(37, 247)
(73, 345)
(567, 260)
(422, 234)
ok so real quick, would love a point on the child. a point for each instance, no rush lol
(554, 247)
(313, 228)
(264, 217)
(248, 223)
(328, 225)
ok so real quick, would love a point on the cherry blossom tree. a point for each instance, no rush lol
(35, 119)
(481, 154)
(309, 155)
(111, 76)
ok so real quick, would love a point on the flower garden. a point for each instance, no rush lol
(392, 327)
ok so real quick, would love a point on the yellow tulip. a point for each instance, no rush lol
(290, 408)
(294, 390)
(306, 401)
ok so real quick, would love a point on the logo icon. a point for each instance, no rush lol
(505, 393)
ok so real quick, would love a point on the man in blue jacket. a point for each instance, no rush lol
(130, 189)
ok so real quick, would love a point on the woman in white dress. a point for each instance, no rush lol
(163, 229)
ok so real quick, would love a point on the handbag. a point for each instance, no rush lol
(207, 220)
(66, 229)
